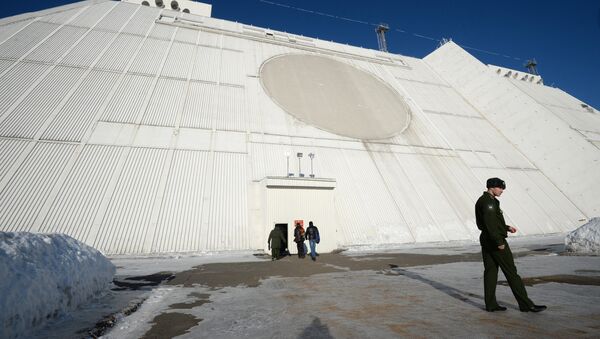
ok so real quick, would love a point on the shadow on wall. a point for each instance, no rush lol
(316, 330)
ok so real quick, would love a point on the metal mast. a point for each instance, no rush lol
(531, 66)
(381, 29)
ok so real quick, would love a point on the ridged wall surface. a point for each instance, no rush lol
(140, 136)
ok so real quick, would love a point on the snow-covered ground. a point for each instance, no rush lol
(45, 276)
(41, 273)
(429, 301)
(585, 239)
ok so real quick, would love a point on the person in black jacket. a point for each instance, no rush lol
(312, 234)
(496, 252)
(299, 240)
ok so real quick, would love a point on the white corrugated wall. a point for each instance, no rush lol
(154, 136)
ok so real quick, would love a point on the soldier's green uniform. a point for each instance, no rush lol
(276, 241)
(494, 230)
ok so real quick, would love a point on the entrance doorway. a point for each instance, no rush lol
(284, 249)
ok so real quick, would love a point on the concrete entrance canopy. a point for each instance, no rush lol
(335, 96)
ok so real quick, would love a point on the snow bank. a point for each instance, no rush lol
(585, 239)
(45, 275)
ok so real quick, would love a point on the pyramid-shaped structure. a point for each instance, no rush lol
(139, 129)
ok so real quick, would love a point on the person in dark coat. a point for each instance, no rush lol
(496, 252)
(312, 234)
(299, 239)
(276, 242)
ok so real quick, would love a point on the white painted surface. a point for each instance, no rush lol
(158, 130)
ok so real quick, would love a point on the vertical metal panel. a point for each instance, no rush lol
(56, 45)
(92, 14)
(546, 213)
(165, 103)
(142, 20)
(79, 199)
(79, 112)
(209, 39)
(418, 70)
(235, 43)
(179, 226)
(355, 222)
(179, 61)
(200, 106)
(117, 56)
(486, 134)
(16, 82)
(25, 194)
(270, 160)
(61, 17)
(232, 68)
(581, 120)
(458, 139)
(255, 114)
(33, 111)
(420, 176)
(275, 120)
(187, 35)
(227, 219)
(88, 49)
(150, 57)
(22, 42)
(420, 132)
(9, 29)
(438, 98)
(117, 17)
(128, 215)
(453, 192)
(126, 103)
(10, 150)
(419, 221)
(162, 31)
(230, 114)
(206, 64)
(375, 201)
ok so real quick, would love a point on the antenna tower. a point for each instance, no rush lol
(381, 29)
(531, 66)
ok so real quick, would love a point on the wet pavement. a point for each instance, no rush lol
(393, 293)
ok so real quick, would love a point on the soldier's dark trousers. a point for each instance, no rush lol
(275, 252)
(492, 258)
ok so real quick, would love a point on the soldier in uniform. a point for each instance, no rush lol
(496, 252)
(276, 242)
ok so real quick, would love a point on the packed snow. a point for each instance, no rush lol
(585, 239)
(45, 276)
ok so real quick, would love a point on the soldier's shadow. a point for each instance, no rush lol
(449, 290)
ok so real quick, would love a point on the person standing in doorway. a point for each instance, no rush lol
(299, 239)
(275, 242)
(496, 252)
(312, 234)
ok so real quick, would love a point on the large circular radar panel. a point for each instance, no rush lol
(335, 96)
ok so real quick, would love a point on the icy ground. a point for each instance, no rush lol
(437, 300)
(397, 299)
(585, 239)
(43, 277)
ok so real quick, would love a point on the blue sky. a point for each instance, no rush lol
(563, 36)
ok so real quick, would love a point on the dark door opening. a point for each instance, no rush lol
(284, 230)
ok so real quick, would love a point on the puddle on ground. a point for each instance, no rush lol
(136, 283)
(199, 300)
(561, 279)
(169, 325)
